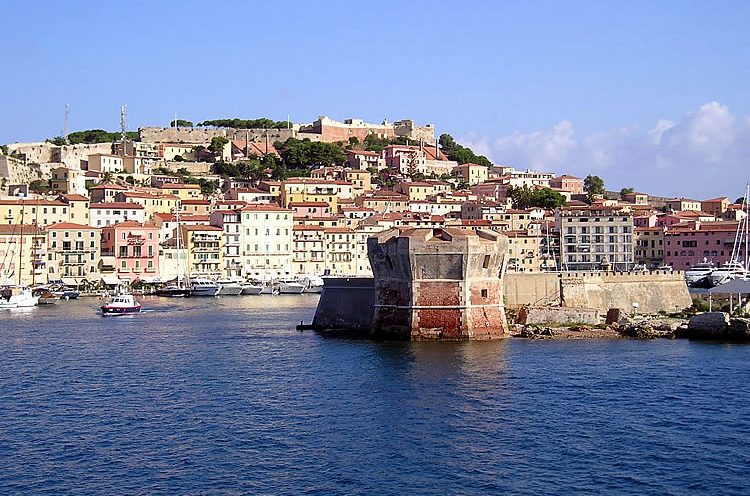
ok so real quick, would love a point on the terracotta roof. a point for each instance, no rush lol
(179, 186)
(264, 207)
(195, 202)
(109, 186)
(71, 197)
(201, 228)
(70, 225)
(308, 204)
(335, 230)
(131, 223)
(361, 152)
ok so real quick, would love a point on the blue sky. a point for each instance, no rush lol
(567, 86)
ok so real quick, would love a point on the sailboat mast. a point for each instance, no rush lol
(20, 246)
(179, 265)
(747, 226)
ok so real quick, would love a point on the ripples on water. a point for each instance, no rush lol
(222, 396)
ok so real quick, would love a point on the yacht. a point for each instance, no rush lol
(227, 287)
(17, 298)
(288, 287)
(699, 274)
(727, 272)
(313, 284)
(251, 289)
(121, 304)
(204, 287)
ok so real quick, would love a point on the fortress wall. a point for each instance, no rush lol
(653, 292)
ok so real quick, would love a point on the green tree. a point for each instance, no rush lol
(626, 191)
(301, 154)
(373, 143)
(181, 123)
(461, 154)
(593, 185)
(525, 197)
(40, 186)
(217, 144)
(353, 141)
(262, 123)
(130, 180)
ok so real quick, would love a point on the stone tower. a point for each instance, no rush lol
(438, 284)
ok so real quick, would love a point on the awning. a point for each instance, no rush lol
(150, 279)
(735, 286)
(70, 281)
(111, 280)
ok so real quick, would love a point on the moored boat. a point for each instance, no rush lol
(727, 272)
(699, 274)
(288, 287)
(17, 298)
(312, 284)
(204, 287)
(251, 289)
(228, 287)
(121, 304)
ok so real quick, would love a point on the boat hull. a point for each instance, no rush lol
(230, 290)
(173, 292)
(117, 310)
(251, 290)
(204, 291)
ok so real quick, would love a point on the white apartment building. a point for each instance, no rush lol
(266, 240)
(107, 214)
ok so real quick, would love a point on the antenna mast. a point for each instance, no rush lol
(123, 126)
(66, 124)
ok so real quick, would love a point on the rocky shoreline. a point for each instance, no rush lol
(717, 326)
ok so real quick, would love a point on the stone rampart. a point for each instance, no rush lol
(203, 135)
(558, 315)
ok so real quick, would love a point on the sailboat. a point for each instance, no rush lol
(178, 290)
(18, 296)
(737, 266)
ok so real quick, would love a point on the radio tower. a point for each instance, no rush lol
(66, 124)
(123, 127)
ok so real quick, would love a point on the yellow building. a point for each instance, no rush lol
(523, 251)
(152, 204)
(471, 173)
(78, 208)
(73, 252)
(309, 253)
(416, 191)
(22, 255)
(33, 211)
(314, 190)
(183, 191)
(205, 250)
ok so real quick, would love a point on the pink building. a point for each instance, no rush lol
(134, 248)
(685, 247)
(571, 184)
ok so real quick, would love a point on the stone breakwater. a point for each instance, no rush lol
(717, 326)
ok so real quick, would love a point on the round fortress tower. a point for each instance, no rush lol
(438, 284)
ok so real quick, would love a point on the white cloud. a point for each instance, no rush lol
(705, 154)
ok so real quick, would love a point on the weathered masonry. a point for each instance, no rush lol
(438, 284)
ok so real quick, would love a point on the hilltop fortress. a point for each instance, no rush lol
(324, 129)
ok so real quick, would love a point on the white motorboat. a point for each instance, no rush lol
(251, 289)
(121, 304)
(288, 287)
(313, 284)
(699, 273)
(17, 298)
(727, 272)
(227, 287)
(204, 287)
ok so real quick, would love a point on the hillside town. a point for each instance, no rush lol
(263, 200)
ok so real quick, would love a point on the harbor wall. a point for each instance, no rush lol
(350, 302)
(346, 303)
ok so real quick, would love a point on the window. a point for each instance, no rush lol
(485, 293)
